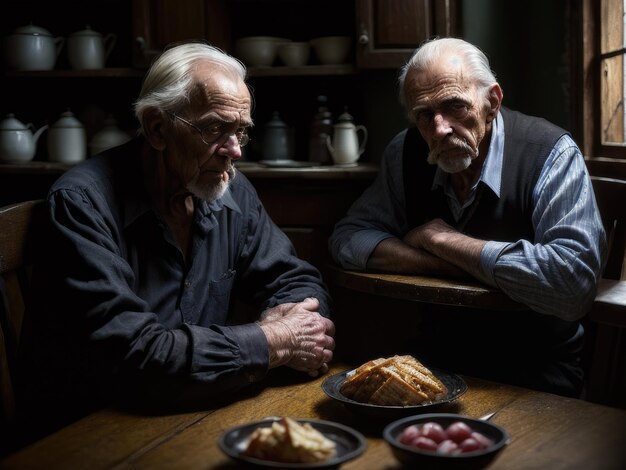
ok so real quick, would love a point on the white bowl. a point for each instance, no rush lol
(332, 49)
(258, 51)
(294, 54)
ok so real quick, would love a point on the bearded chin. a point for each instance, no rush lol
(450, 163)
(210, 193)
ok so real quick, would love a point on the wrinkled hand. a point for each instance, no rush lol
(426, 234)
(299, 337)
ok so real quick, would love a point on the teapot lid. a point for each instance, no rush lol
(345, 117)
(86, 32)
(10, 123)
(67, 119)
(32, 30)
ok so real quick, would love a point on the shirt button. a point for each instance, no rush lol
(187, 284)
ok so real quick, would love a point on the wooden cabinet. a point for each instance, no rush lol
(383, 31)
(40, 97)
(157, 23)
(389, 30)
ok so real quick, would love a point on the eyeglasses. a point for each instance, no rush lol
(215, 132)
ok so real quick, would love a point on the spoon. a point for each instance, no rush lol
(488, 416)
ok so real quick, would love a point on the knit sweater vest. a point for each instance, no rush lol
(528, 142)
(522, 347)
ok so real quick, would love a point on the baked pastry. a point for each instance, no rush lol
(286, 440)
(393, 381)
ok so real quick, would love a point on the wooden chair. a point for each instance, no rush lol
(18, 240)
(607, 320)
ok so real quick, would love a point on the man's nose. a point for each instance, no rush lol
(230, 148)
(441, 126)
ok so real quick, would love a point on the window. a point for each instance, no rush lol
(604, 36)
(612, 63)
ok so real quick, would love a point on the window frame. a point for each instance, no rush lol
(590, 117)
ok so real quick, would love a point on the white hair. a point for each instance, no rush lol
(475, 61)
(169, 81)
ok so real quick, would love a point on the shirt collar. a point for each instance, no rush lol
(227, 200)
(491, 173)
(138, 204)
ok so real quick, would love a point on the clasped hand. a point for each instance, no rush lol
(425, 235)
(299, 337)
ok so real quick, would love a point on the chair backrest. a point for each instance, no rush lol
(606, 325)
(18, 237)
(611, 198)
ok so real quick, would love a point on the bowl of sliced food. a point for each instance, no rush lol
(283, 442)
(445, 441)
(393, 387)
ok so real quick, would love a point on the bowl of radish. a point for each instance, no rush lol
(445, 441)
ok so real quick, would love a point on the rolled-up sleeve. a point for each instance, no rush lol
(557, 272)
(375, 216)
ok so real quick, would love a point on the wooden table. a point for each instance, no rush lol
(432, 290)
(547, 431)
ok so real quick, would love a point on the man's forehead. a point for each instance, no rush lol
(221, 89)
(444, 77)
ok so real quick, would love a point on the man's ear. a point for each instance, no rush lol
(154, 128)
(495, 96)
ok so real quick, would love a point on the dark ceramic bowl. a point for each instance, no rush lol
(424, 459)
(350, 444)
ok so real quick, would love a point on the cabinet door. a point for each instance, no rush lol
(157, 23)
(389, 30)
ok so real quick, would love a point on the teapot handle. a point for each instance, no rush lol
(58, 44)
(364, 138)
(109, 42)
(329, 145)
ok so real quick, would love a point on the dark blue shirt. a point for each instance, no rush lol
(120, 311)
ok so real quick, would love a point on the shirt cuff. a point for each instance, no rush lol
(253, 349)
(488, 258)
(356, 253)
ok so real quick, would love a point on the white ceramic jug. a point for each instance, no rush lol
(31, 48)
(88, 49)
(18, 143)
(109, 136)
(67, 140)
(345, 147)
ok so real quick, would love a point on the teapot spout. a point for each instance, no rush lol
(37, 134)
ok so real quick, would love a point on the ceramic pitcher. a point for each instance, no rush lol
(67, 140)
(88, 49)
(345, 147)
(18, 142)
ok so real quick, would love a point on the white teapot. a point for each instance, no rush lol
(345, 148)
(18, 143)
(109, 136)
(88, 49)
(67, 140)
(31, 48)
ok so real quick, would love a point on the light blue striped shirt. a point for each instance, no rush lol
(555, 273)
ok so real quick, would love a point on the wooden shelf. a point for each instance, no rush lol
(33, 168)
(306, 70)
(119, 72)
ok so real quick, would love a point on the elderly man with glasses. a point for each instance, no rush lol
(151, 242)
